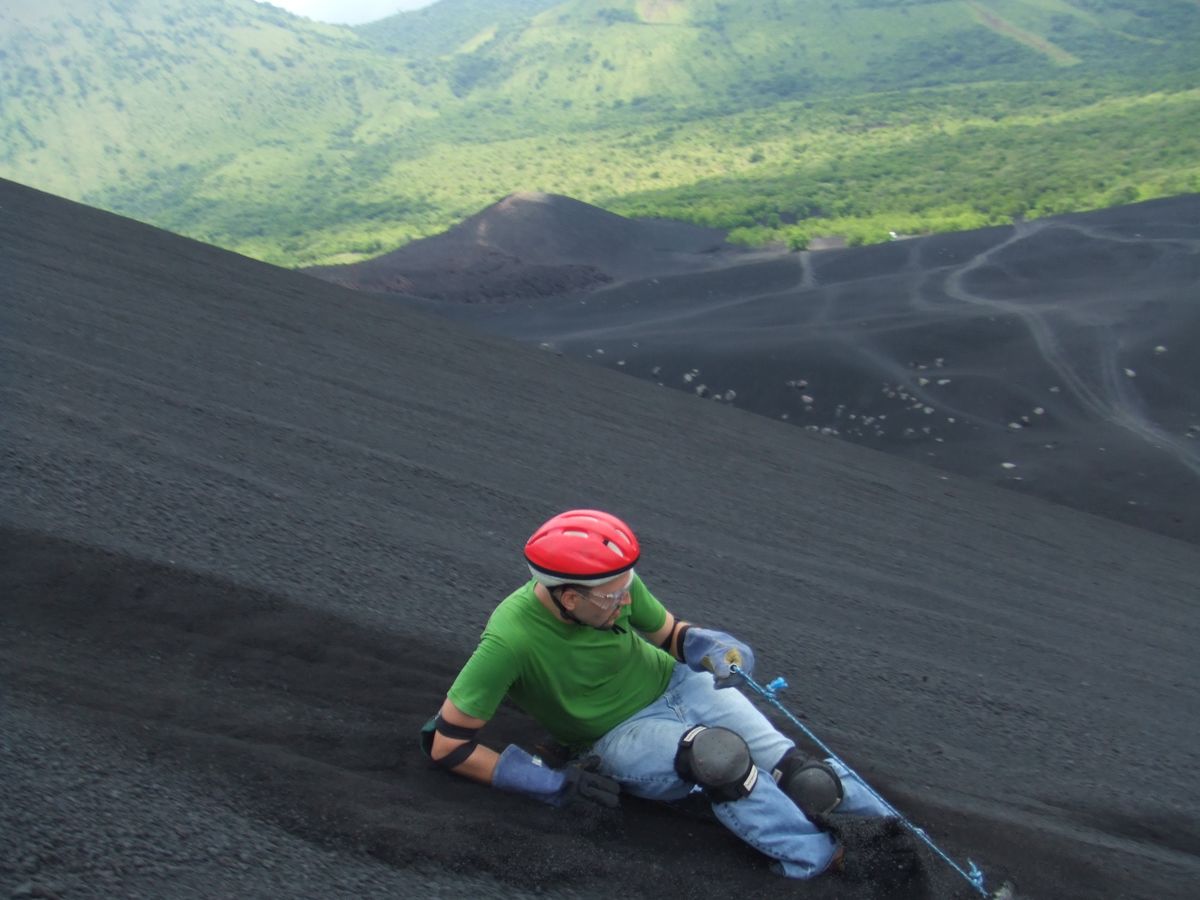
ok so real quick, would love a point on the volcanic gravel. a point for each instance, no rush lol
(252, 523)
(1053, 357)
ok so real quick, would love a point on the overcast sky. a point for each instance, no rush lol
(347, 12)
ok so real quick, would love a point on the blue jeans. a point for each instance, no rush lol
(640, 754)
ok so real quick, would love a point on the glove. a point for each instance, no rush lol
(586, 783)
(523, 773)
(877, 850)
(716, 651)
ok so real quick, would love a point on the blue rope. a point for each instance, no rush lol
(973, 875)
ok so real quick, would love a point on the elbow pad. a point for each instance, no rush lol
(459, 754)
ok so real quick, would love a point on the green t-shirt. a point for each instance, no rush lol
(577, 682)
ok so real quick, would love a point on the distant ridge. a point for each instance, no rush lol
(532, 245)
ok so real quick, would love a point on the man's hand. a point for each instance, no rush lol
(585, 782)
(716, 651)
(523, 773)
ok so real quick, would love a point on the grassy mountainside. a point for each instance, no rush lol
(716, 55)
(299, 143)
(584, 60)
(93, 94)
(451, 27)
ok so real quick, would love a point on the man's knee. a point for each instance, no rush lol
(718, 760)
(812, 784)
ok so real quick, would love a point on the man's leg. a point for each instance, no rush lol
(858, 799)
(731, 709)
(892, 851)
(640, 753)
(728, 707)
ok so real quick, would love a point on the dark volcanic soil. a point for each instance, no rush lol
(536, 245)
(251, 523)
(1054, 358)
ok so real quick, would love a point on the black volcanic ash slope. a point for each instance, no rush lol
(535, 245)
(1054, 358)
(250, 524)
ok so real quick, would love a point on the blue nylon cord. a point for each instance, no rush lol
(973, 875)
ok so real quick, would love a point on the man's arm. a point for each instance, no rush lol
(515, 769)
(703, 649)
(480, 765)
(667, 637)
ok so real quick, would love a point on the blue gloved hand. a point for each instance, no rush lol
(716, 651)
(523, 773)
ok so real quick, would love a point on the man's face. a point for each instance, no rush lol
(600, 606)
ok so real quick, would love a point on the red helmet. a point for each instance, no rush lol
(581, 546)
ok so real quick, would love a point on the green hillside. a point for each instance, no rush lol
(595, 56)
(299, 143)
(96, 95)
(450, 27)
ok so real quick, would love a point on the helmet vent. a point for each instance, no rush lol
(615, 549)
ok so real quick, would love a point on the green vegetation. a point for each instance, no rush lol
(1016, 155)
(445, 29)
(300, 144)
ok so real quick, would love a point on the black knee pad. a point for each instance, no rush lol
(810, 783)
(718, 760)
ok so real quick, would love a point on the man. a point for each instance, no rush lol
(648, 710)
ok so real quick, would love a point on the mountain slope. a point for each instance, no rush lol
(251, 524)
(450, 26)
(1051, 357)
(182, 101)
(712, 55)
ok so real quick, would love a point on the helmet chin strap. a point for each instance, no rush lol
(563, 611)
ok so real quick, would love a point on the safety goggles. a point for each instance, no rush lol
(610, 601)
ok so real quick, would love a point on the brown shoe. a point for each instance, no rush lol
(837, 865)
